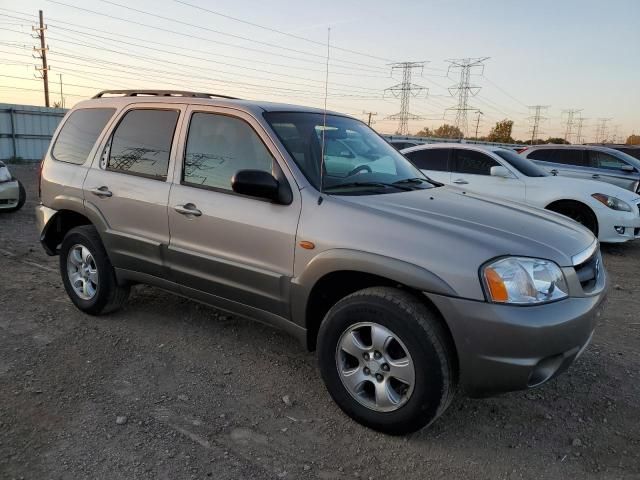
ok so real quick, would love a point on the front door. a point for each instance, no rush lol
(227, 245)
(128, 187)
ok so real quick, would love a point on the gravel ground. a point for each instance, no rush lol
(169, 388)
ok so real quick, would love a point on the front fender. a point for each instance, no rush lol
(337, 260)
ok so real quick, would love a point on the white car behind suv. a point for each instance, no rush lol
(612, 213)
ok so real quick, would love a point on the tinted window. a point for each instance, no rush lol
(430, 159)
(141, 144)
(472, 162)
(523, 165)
(546, 155)
(568, 157)
(634, 152)
(218, 146)
(605, 160)
(79, 134)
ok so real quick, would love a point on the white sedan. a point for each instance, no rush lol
(611, 213)
(12, 193)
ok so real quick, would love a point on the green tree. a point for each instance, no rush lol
(501, 132)
(425, 132)
(447, 131)
(557, 140)
(633, 140)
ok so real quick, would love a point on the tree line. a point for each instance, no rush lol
(500, 133)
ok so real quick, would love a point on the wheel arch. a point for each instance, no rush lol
(557, 206)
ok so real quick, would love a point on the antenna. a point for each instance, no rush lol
(324, 115)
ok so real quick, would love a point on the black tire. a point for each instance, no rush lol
(109, 296)
(578, 212)
(426, 341)
(22, 197)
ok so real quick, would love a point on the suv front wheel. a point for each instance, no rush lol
(87, 273)
(386, 360)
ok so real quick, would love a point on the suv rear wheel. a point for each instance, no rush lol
(386, 360)
(87, 273)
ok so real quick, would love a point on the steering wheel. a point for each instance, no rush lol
(358, 169)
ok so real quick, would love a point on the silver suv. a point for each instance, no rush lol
(311, 222)
(589, 162)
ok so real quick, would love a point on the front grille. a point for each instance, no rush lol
(588, 272)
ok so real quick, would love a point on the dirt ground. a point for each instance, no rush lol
(202, 393)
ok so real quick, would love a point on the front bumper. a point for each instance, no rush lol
(503, 347)
(9, 194)
(616, 227)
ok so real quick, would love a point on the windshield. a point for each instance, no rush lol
(523, 165)
(356, 160)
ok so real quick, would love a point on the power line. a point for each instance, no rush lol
(297, 37)
(463, 89)
(405, 91)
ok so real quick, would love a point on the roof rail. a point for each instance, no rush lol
(160, 93)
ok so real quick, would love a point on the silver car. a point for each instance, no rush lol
(12, 192)
(405, 288)
(588, 161)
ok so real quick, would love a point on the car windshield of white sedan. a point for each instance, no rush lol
(523, 165)
(356, 160)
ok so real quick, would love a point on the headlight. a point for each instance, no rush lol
(612, 202)
(523, 281)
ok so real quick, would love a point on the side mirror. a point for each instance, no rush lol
(500, 171)
(256, 183)
(627, 168)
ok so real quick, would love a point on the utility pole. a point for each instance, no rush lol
(479, 113)
(405, 91)
(571, 114)
(61, 96)
(44, 70)
(601, 130)
(536, 118)
(463, 89)
(370, 114)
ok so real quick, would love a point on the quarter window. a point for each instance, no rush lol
(431, 159)
(141, 144)
(218, 146)
(475, 163)
(79, 133)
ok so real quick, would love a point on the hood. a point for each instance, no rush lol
(493, 227)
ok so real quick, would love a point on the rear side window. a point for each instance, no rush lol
(79, 134)
(218, 146)
(474, 163)
(546, 155)
(141, 144)
(431, 159)
(569, 157)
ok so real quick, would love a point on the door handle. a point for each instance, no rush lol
(101, 191)
(595, 175)
(460, 181)
(188, 209)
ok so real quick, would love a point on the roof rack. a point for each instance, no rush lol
(160, 93)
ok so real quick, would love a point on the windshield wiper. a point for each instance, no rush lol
(418, 180)
(368, 184)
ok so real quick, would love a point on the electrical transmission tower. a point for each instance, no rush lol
(601, 130)
(464, 89)
(369, 115)
(42, 55)
(405, 91)
(536, 118)
(580, 124)
(571, 121)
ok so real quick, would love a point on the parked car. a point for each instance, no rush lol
(12, 193)
(610, 212)
(633, 150)
(404, 288)
(402, 144)
(587, 161)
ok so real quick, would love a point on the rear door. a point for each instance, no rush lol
(434, 162)
(609, 168)
(128, 186)
(472, 170)
(233, 247)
